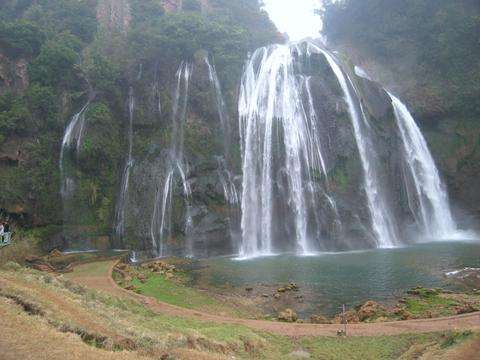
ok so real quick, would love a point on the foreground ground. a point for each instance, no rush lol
(53, 317)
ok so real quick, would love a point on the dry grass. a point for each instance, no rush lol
(48, 317)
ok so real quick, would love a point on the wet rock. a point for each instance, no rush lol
(292, 287)
(288, 315)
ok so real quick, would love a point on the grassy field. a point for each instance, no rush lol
(125, 327)
(175, 290)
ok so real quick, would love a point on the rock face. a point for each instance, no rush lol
(114, 14)
(13, 74)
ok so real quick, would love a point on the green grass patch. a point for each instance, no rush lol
(162, 289)
(456, 338)
(365, 348)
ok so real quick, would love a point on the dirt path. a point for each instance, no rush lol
(103, 281)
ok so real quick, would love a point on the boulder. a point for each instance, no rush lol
(402, 313)
(288, 315)
(370, 310)
(43, 267)
(55, 253)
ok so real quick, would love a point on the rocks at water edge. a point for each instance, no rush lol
(288, 315)
(371, 310)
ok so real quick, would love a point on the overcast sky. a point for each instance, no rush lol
(295, 17)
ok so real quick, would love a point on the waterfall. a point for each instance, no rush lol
(221, 108)
(271, 103)
(383, 222)
(429, 198)
(72, 137)
(224, 173)
(161, 223)
(122, 201)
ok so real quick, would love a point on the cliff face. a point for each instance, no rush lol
(13, 74)
(427, 54)
(114, 14)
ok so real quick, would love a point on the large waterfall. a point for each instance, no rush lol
(271, 103)
(286, 163)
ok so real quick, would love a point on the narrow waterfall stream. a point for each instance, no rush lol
(122, 200)
(161, 223)
(71, 138)
(383, 222)
(428, 199)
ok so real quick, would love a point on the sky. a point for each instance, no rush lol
(295, 17)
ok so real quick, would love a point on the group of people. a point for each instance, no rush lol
(5, 234)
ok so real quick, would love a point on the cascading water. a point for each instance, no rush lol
(122, 201)
(428, 199)
(271, 103)
(221, 108)
(383, 222)
(224, 173)
(72, 136)
(161, 224)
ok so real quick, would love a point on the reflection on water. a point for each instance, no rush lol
(352, 278)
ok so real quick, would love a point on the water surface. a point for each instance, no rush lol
(352, 278)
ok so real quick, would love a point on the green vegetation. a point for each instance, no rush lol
(434, 40)
(172, 288)
(70, 57)
(434, 303)
(427, 52)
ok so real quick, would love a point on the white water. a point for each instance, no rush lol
(220, 103)
(73, 136)
(161, 224)
(382, 220)
(271, 102)
(122, 201)
(429, 202)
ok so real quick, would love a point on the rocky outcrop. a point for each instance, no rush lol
(288, 315)
(13, 74)
(114, 14)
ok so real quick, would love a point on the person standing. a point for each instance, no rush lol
(2, 231)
